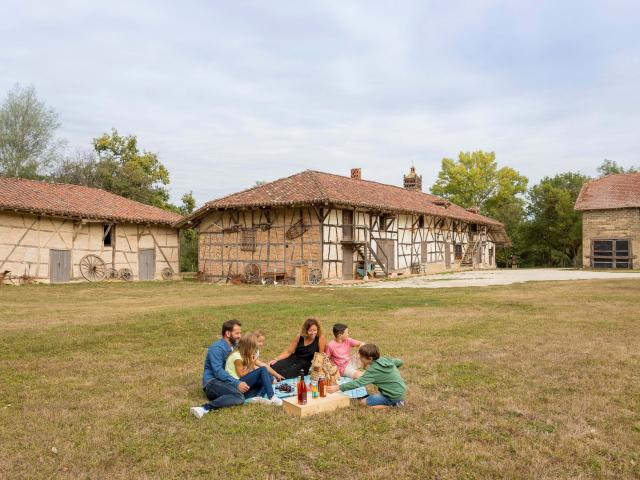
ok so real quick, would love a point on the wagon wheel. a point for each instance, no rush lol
(167, 273)
(252, 273)
(125, 274)
(315, 276)
(111, 274)
(92, 268)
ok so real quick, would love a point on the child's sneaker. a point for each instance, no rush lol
(261, 400)
(275, 400)
(198, 412)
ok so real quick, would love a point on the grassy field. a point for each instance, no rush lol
(534, 380)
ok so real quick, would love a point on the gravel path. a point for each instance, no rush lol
(483, 278)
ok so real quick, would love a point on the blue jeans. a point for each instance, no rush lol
(259, 381)
(379, 399)
(222, 394)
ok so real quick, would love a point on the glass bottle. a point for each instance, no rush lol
(322, 387)
(302, 389)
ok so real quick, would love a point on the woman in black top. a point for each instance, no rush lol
(299, 353)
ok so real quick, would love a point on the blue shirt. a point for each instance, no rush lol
(214, 363)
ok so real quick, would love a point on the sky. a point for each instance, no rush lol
(229, 93)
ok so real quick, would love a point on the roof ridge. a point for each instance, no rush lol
(252, 188)
(378, 183)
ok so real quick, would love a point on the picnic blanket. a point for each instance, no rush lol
(355, 393)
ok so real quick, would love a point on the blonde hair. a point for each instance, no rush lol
(247, 347)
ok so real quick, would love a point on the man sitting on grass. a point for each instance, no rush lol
(381, 372)
(221, 388)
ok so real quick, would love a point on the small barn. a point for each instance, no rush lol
(610, 209)
(59, 233)
(340, 228)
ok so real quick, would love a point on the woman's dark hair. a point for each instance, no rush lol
(308, 323)
(369, 350)
(229, 324)
(339, 328)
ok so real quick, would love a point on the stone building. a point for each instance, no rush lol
(58, 233)
(610, 209)
(341, 228)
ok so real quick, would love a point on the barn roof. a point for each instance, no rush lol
(610, 192)
(318, 188)
(61, 199)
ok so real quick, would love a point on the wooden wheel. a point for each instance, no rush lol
(125, 274)
(315, 276)
(252, 273)
(92, 268)
(111, 274)
(167, 273)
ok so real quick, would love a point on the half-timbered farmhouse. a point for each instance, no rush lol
(340, 228)
(58, 233)
(610, 209)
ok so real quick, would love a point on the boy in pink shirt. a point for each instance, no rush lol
(339, 351)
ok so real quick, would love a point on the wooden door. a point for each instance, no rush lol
(347, 224)
(347, 263)
(59, 266)
(447, 254)
(386, 246)
(147, 264)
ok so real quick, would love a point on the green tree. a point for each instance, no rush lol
(27, 134)
(124, 170)
(552, 236)
(80, 169)
(475, 180)
(611, 167)
(188, 237)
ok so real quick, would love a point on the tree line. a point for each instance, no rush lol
(545, 229)
(540, 220)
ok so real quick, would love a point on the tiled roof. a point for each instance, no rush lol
(318, 188)
(60, 199)
(613, 191)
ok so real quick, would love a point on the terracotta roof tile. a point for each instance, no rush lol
(610, 192)
(319, 188)
(77, 201)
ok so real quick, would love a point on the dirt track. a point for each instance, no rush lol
(485, 278)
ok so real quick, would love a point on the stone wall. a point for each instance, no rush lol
(611, 224)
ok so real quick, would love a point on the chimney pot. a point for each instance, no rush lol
(356, 173)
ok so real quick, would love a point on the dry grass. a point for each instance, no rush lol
(537, 380)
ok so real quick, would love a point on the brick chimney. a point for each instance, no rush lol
(413, 181)
(356, 173)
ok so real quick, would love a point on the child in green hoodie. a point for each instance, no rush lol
(381, 372)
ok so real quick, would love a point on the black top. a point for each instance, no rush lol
(306, 352)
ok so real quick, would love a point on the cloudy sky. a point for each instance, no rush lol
(233, 92)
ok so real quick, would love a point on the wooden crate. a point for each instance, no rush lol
(316, 405)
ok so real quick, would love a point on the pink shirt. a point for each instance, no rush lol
(340, 353)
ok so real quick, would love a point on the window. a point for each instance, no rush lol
(107, 235)
(457, 248)
(383, 223)
(421, 221)
(610, 254)
(248, 240)
(491, 256)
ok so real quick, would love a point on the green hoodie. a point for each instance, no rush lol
(384, 374)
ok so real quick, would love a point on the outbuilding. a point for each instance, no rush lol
(610, 209)
(55, 232)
